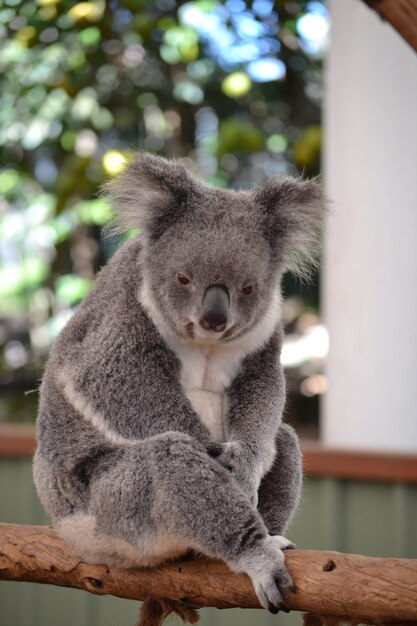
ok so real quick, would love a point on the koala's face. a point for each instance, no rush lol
(213, 258)
(212, 274)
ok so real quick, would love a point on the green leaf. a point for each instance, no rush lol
(35, 270)
(90, 36)
(8, 181)
(70, 289)
(95, 212)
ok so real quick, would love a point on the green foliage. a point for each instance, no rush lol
(233, 87)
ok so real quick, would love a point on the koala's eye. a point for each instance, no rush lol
(183, 279)
(247, 290)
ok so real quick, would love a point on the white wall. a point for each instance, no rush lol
(370, 269)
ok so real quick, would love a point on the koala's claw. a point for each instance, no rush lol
(275, 609)
(270, 577)
(283, 543)
(269, 595)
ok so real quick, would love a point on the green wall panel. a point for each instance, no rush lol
(358, 517)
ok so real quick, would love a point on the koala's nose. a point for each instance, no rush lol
(215, 308)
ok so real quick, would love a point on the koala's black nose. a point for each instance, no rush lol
(215, 308)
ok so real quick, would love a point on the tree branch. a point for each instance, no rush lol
(401, 14)
(328, 583)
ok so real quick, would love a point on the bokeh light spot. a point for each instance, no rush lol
(70, 289)
(114, 162)
(187, 91)
(15, 354)
(236, 85)
(90, 36)
(277, 143)
(47, 3)
(8, 180)
(266, 69)
(91, 11)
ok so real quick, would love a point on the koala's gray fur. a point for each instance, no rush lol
(157, 435)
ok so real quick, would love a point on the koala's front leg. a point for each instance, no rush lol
(279, 492)
(199, 500)
(166, 490)
(255, 403)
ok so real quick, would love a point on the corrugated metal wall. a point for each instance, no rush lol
(358, 517)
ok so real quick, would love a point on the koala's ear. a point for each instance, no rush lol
(292, 213)
(151, 193)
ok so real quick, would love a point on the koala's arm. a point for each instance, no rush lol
(125, 386)
(113, 367)
(256, 400)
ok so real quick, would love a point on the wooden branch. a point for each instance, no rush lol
(328, 583)
(401, 14)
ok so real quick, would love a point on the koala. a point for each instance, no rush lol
(160, 421)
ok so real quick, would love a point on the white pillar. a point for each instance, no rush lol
(370, 268)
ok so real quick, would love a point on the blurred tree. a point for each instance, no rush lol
(233, 87)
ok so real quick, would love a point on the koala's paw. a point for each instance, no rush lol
(269, 575)
(229, 455)
(223, 453)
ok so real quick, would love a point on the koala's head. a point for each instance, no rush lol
(213, 258)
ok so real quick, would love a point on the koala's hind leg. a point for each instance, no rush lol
(190, 499)
(280, 489)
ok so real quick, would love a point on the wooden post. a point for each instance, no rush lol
(346, 586)
(370, 265)
(401, 14)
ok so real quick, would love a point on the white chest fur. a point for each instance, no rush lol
(206, 372)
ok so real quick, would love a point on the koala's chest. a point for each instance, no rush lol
(205, 376)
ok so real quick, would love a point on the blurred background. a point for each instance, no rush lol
(239, 90)
(233, 88)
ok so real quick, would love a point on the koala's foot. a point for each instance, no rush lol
(266, 567)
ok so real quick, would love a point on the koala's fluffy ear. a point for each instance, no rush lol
(293, 212)
(150, 194)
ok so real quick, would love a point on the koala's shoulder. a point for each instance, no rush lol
(122, 272)
(111, 308)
